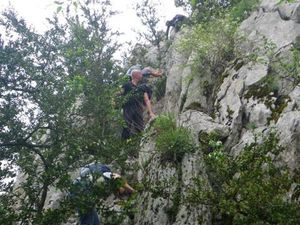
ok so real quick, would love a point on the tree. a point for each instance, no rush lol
(208, 10)
(56, 111)
(147, 14)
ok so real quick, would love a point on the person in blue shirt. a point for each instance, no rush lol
(95, 180)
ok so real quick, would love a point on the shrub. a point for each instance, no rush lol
(164, 123)
(287, 65)
(160, 88)
(211, 40)
(250, 188)
(172, 141)
(212, 45)
(240, 9)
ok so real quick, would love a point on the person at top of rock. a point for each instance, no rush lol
(176, 22)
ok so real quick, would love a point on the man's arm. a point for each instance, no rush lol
(128, 188)
(148, 105)
(150, 71)
(157, 73)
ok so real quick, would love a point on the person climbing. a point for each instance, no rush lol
(93, 179)
(176, 22)
(138, 98)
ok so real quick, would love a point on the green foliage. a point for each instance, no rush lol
(176, 197)
(209, 142)
(93, 191)
(164, 123)
(160, 88)
(172, 141)
(137, 55)
(209, 37)
(211, 40)
(212, 45)
(267, 88)
(288, 65)
(56, 111)
(182, 3)
(126, 212)
(174, 209)
(249, 188)
(207, 10)
(285, 1)
(261, 54)
(241, 9)
(8, 215)
(281, 66)
(147, 13)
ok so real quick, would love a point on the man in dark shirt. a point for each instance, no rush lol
(137, 98)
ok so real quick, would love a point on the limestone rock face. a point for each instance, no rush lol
(175, 73)
(288, 126)
(160, 204)
(255, 97)
(199, 122)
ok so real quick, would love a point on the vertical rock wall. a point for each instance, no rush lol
(254, 93)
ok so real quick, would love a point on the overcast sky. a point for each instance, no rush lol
(35, 13)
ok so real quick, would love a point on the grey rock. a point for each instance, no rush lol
(294, 104)
(248, 137)
(258, 113)
(198, 122)
(269, 5)
(289, 132)
(296, 14)
(175, 67)
(262, 26)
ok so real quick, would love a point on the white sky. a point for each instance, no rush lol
(35, 13)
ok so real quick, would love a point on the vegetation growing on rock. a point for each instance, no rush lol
(250, 188)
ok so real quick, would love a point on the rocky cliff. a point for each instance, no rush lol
(255, 96)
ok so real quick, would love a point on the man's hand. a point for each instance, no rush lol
(126, 190)
(158, 73)
(152, 115)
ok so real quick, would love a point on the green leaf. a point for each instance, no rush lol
(58, 9)
(58, 2)
(75, 4)
(194, 3)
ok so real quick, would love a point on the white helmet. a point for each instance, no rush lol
(131, 69)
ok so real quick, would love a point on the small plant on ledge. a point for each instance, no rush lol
(172, 141)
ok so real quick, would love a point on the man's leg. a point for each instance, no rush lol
(138, 121)
(87, 218)
(90, 218)
(127, 115)
(96, 217)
